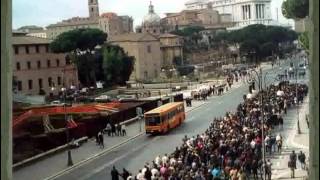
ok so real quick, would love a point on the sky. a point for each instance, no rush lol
(45, 12)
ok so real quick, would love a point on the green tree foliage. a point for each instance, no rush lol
(304, 41)
(80, 43)
(258, 40)
(117, 66)
(78, 40)
(188, 31)
(295, 9)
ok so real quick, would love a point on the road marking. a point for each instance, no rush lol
(85, 161)
(116, 159)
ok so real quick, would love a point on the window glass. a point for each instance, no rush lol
(153, 121)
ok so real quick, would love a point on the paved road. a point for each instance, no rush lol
(144, 149)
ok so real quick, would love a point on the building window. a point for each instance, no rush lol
(149, 49)
(30, 84)
(38, 64)
(59, 80)
(18, 66)
(19, 85)
(50, 81)
(16, 50)
(47, 48)
(58, 62)
(27, 49)
(37, 48)
(48, 63)
(68, 60)
(40, 83)
(29, 65)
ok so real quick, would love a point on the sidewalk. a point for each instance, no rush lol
(292, 142)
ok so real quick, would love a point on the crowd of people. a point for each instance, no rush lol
(231, 148)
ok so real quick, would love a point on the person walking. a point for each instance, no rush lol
(268, 169)
(119, 130)
(279, 142)
(113, 130)
(147, 174)
(101, 139)
(125, 174)
(114, 174)
(108, 129)
(302, 160)
(293, 158)
(123, 128)
(292, 167)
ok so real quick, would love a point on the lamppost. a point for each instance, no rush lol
(259, 77)
(298, 121)
(70, 162)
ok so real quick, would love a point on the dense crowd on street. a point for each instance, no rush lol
(231, 148)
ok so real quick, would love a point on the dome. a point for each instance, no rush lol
(151, 17)
(196, 2)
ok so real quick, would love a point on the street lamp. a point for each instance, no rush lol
(70, 162)
(259, 77)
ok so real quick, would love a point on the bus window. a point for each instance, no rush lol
(153, 121)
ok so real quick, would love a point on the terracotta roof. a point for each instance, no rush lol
(21, 40)
(132, 37)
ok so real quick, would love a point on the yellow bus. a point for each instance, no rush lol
(164, 118)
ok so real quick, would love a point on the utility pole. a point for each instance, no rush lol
(262, 123)
(6, 90)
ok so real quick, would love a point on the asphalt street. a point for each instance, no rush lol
(136, 153)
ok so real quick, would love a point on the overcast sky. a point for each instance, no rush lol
(45, 12)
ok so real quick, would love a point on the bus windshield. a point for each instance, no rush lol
(153, 121)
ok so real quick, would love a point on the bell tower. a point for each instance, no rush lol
(93, 8)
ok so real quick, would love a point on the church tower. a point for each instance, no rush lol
(93, 8)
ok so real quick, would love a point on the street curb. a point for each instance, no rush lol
(51, 152)
(79, 164)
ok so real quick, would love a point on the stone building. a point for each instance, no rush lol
(146, 50)
(171, 48)
(32, 30)
(113, 24)
(151, 23)
(206, 17)
(36, 68)
(243, 13)
(107, 22)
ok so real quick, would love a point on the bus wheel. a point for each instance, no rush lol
(179, 121)
(168, 128)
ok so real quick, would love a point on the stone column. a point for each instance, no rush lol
(314, 89)
(6, 90)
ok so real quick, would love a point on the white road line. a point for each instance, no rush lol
(116, 159)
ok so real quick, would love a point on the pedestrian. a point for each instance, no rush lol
(292, 167)
(113, 130)
(125, 174)
(293, 158)
(97, 139)
(302, 160)
(140, 175)
(114, 174)
(268, 169)
(108, 129)
(101, 140)
(119, 130)
(123, 128)
(147, 174)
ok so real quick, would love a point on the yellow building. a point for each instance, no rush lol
(146, 50)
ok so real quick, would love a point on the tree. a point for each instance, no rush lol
(295, 9)
(304, 41)
(116, 64)
(257, 40)
(80, 43)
